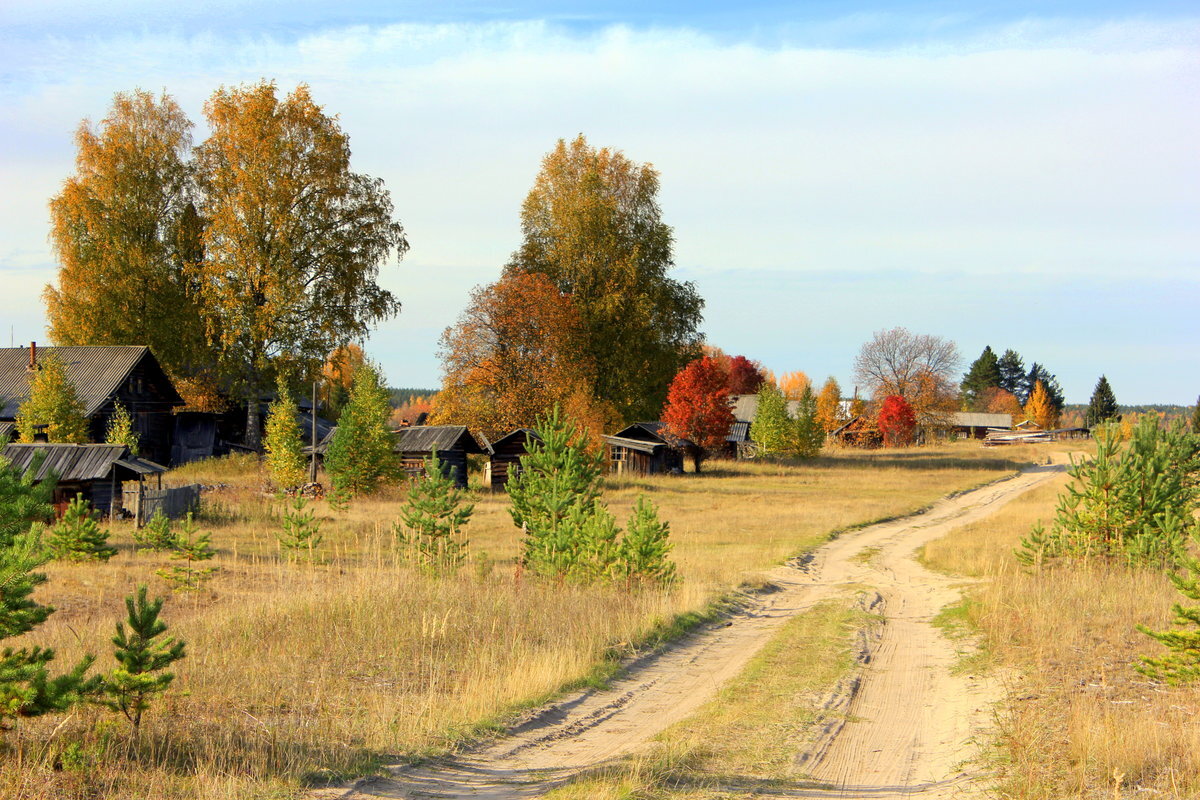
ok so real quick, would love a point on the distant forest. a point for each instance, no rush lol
(404, 397)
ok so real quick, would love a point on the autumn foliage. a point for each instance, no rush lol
(698, 404)
(745, 376)
(514, 355)
(897, 421)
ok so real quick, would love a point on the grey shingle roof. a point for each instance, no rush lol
(971, 419)
(97, 373)
(424, 438)
(78, 462)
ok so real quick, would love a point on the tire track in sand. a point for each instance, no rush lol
(910, 720)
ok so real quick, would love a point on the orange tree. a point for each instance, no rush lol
(515, 354)
(698, 407)
(829, 406)
(896, 421)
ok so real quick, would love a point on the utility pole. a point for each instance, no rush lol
(312, 465)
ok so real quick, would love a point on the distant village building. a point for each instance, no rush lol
(103, 377)
(505, 459)
(92, 471)
(452, 442)
(976, 425)
(645, 448)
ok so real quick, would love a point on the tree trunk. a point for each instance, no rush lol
(697, 457)
(253, 425)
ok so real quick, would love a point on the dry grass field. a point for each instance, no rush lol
(300, 673)
(1079, 721)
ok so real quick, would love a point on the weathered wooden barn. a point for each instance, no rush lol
(505, 458)
(976, 425)
(452, 442)
(858, 432)
(645, 448)
(94, 471)
(103, 377)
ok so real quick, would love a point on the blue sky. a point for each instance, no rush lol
(1018, 175)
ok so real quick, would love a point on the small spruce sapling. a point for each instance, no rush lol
(432, 519)
(190, 547)
(78, 536)
(142, 656)
(1182, 664)
(300, 531)
(157, 534)
(645, 549)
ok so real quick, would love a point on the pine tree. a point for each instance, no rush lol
(360, 456)
(644, 555)
(1103, 405)
(1012, 375)
(78, 535)
(300, 530)
(142, 657)
(556, 490)
(189, 547)
(983, 374)
(22, 500)
(433, 519)
(1182, 664)
(285, 458)
(120, 429)
(156, 535)
(1196, 418)
(26, 687)
(53, 403)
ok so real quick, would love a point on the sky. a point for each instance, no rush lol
(1015, 174)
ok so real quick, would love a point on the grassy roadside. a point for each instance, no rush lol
(745, 739)
(300, 673)
(1078, 722)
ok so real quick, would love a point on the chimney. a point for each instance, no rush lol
(32, 356)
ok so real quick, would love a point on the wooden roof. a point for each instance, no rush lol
(80, 462)
(97, 372)
(424, 438)
(653, 432)
(971, 419)
(526, 434)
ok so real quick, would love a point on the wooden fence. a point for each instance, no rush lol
(174, 503)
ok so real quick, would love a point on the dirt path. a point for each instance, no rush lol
(910, 720)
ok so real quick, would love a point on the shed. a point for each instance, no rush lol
(103, 376)
(645, 448)
(452, 442)
(505, 459)
(858, 432)
(94, 471)
(977, 425)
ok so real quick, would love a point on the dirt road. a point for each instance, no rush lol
(902, 728)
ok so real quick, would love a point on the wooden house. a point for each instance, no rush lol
(94, 471)
(645, 448)
(103, 377)
(452, 442)
(976, 425)
(505, 458)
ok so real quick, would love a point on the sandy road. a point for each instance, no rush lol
(903, 728)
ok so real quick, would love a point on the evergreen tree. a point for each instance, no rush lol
(1103, 405)
(26, 687)
(360, 457)
(644, 549)
(1196, 418)
(157, 534)
(1182, 664)
(433, 519)
(142, 657)
(300, 530)
(53, 403)
(189, 547)
(557, 488)
(983, 375)
(771, 427)
(1054, 392)
(285, 458)
(1012, 375)
(78, 535)
(120, 429)
(22, 501)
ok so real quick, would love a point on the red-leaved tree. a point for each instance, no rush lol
(698, 407)
(896, 421)
(745, 376)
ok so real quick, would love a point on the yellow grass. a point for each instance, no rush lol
(299, 673)
(1079, 722)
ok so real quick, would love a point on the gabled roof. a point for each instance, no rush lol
(424, 438)
(97, 372)
(970, 419)
(745, 406)
(652, 432)
(525, 434)
(739, 432)
(80, 462)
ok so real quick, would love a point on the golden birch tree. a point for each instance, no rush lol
(124, 230)
(592, 225)
(1040, 408)
(794, 384)
(53, 403)
(293, 241)
(829, 406)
